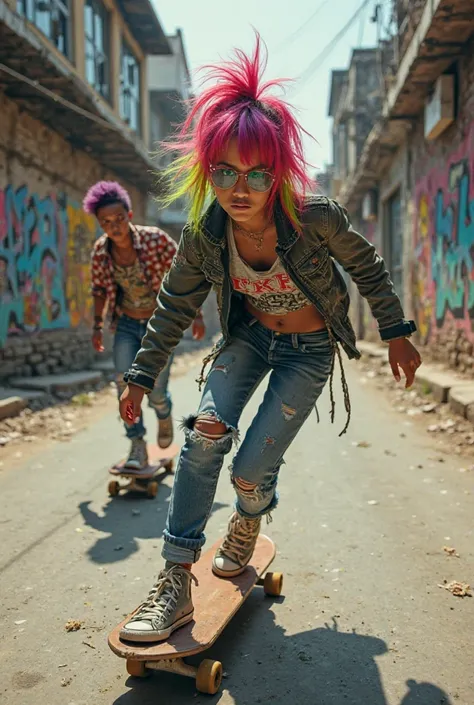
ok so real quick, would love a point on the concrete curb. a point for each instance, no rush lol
(28, 389)
(447, 387)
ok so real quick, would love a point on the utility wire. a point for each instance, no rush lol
(319, 60)
(294, 35)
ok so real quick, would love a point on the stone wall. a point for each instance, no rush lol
(45, 245)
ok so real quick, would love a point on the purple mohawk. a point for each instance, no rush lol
(103, 193)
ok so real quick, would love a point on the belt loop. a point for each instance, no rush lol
(294, 340)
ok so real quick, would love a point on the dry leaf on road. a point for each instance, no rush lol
(361, 444)
(457, 589)
(73, 625)
(450, 551)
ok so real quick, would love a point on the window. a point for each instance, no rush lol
(130, 89)
(52, 17)
(97, 46)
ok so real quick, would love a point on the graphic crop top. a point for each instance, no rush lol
(271, 291)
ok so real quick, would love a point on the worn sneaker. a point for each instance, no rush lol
(238, 546)
(138, 456)
(168, 606)
(165, 432)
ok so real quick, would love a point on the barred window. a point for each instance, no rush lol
(96, 29)
(52, 17)
(130, 89)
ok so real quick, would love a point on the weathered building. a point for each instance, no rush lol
(74, 109)
(418, 164)
(354, 104)
(169, 85)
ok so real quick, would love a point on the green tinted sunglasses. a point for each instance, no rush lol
(224, 177)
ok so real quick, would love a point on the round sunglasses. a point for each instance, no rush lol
(224, 177)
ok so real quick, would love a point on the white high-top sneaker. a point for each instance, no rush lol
(238, 546)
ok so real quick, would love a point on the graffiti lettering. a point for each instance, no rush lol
(45, 246)
(444, 246)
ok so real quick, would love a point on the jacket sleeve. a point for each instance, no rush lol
(360, 260)
(182, 293)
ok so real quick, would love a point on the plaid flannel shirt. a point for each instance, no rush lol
(155, 250)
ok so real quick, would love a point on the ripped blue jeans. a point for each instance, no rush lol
(299, 366)
(127, 342)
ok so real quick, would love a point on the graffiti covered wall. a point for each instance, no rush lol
(443, 274)
(45, 246)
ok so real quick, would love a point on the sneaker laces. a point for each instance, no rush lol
(240, 536)
(136, 451)
(163, 596)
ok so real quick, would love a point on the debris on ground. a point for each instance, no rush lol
(65, 682)
(450, 434)
(91, 646)
(73, 625)
(361, 444)
(457, 588)
(450, 551)
(60, 417)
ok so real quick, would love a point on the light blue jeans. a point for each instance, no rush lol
(299, 366)
(127, 342)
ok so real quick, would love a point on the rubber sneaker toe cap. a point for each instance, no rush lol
(138, 626)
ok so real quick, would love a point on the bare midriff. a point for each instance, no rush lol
(137, 313)
(306, 320)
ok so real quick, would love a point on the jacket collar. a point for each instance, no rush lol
(215, 219)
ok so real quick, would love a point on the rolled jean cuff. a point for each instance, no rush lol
(260, 512)
(179, 550)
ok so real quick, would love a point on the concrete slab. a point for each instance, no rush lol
(371, 349)
(461, 399)
(11, 406)
(104, 366)
(58, 383)
(438, 381)
(28, 394)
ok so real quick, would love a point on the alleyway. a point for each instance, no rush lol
(360, 534)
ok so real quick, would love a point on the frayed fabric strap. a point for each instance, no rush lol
(345, 387)
(216, 350)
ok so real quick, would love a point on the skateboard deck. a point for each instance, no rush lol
(160, 463)
(216, 600)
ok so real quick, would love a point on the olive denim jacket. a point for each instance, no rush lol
(309, 258)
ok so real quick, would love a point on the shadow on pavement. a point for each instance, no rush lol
(125, 519)
(321, 666)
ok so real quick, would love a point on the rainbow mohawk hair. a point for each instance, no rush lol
(238, 105)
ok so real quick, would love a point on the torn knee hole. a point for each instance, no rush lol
(244, 485)
(209, 427)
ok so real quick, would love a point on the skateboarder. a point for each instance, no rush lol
(268, 250)
(129, 262)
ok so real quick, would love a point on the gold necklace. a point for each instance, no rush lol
(255, 235)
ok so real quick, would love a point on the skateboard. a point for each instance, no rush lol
(216, 600)
(160, 464)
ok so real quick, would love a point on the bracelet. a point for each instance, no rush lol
(97, 327)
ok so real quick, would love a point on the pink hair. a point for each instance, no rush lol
(240, 106)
